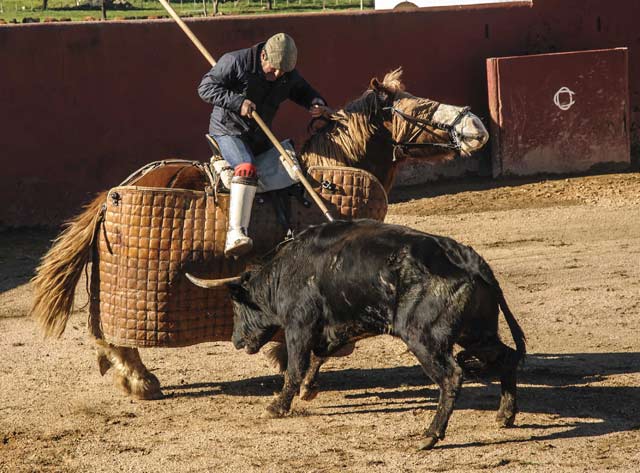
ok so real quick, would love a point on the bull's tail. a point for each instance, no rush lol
(482, 268)
(516, 331)
(60, 269)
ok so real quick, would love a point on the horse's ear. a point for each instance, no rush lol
(382, 92)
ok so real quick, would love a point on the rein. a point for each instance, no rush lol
(422, 124)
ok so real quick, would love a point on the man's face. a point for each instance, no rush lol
(270, 72)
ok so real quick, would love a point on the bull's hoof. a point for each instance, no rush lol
(309, 392)
(274, 411)
(429, 443)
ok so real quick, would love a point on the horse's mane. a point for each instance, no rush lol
(344, 141)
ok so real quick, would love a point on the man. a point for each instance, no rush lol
(257, 79)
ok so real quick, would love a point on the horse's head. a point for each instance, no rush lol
(422, 128)
(386, 124)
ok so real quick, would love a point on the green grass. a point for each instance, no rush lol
(17, 10)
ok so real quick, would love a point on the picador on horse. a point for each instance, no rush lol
(258, 79)
(171, 217)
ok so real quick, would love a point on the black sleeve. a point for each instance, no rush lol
(302, 93)
(216, 86)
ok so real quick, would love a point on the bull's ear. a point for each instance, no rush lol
(241, 295)
(375, 84)
(237, 292)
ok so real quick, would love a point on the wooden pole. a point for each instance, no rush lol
(188, 32)
(292, 165)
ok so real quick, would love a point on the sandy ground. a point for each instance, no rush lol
(567, 253)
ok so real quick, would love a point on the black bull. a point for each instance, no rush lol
(343, 281)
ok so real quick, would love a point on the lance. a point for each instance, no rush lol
(285, 156)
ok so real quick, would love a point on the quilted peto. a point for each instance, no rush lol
(150, 237)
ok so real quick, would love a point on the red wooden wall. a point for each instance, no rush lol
(82, 105)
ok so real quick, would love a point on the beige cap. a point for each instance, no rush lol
(281, 52)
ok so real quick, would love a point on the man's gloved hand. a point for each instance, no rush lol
(247, 108)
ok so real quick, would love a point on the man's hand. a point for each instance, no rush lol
(319, 109)
(247, 108)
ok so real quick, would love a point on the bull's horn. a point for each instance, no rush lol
(209, 283)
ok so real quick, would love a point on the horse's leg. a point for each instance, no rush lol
(130, 374)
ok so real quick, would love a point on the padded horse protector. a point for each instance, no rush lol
(149, 237)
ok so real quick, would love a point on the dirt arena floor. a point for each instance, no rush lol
(567, 253)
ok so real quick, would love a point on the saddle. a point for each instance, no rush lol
(273, 174)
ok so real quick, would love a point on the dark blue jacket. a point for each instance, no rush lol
(238, 76)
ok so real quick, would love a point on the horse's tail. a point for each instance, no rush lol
(516, 331)
(60, 269)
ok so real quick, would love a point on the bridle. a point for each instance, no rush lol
(421, 124)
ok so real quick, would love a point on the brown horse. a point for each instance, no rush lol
(374, 132)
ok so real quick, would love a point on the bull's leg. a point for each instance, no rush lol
(507, 361)
(508, 381)
(446, 373)
(281, 405)
(299, 355)
(277, 355)
(503, 360)
(130, 374)
(309, 388)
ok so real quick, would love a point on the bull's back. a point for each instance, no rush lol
(351, 255)
(377, 245)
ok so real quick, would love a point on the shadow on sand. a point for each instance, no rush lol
(557, 385)
(20, 253)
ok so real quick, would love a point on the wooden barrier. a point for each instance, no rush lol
(83, 104)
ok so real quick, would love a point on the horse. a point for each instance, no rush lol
(373, 133)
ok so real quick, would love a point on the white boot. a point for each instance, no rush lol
(243, 190)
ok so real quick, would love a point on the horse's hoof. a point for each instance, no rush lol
(274, 411)
(122, 383)
(309, 393)
(103, 364)
(428, 443)
(143, 389)
(148, 389)
(148, 394)
(505, 420)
